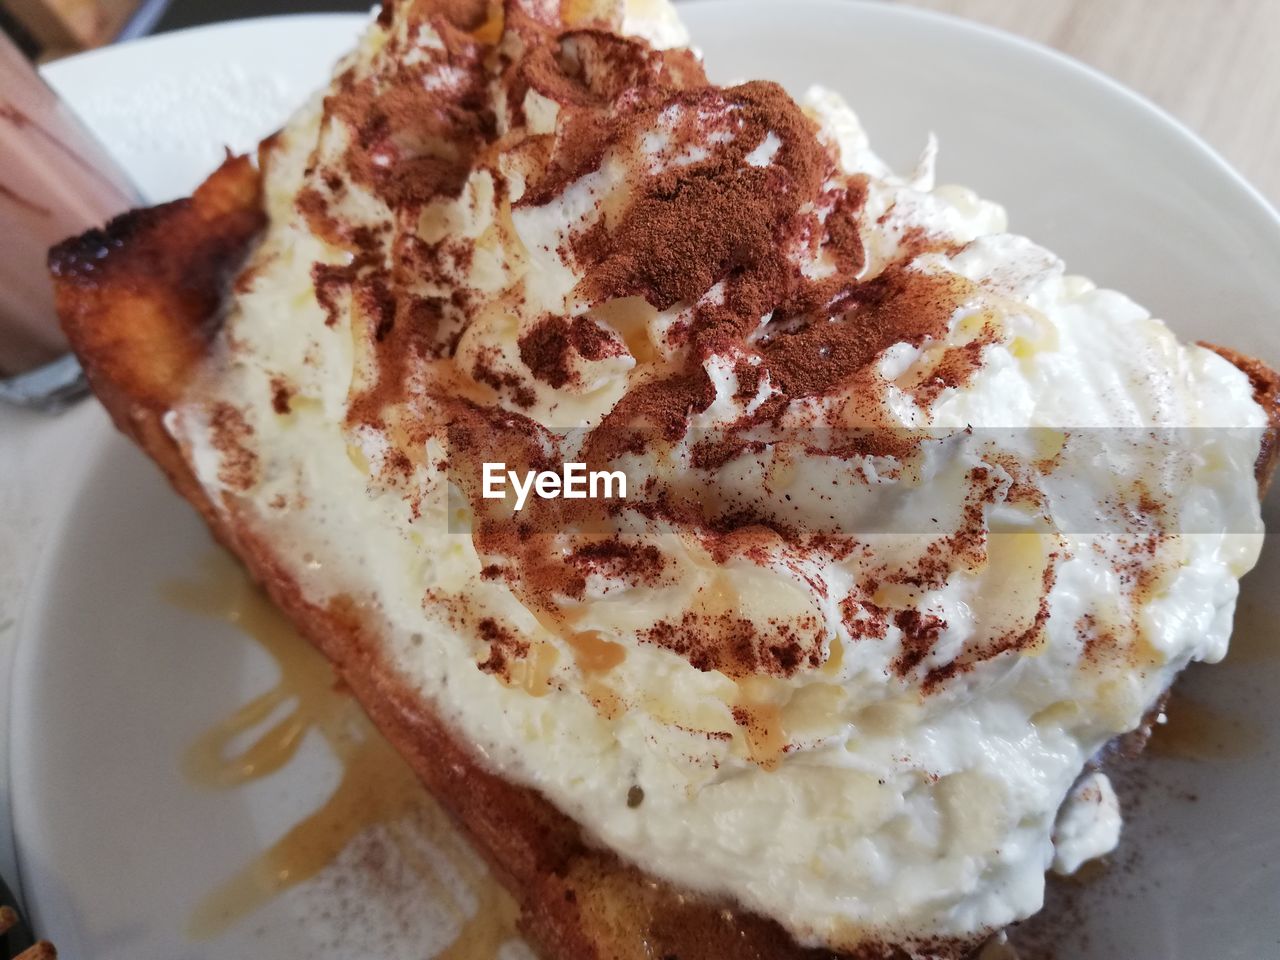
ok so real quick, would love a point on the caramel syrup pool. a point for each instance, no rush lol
(377, 790)
(1194, 730)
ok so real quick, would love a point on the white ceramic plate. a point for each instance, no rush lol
(113, 683)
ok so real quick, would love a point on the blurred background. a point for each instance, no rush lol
(1209, 62)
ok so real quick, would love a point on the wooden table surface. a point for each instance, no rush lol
(1214, 64)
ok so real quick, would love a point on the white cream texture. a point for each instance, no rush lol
(897, 813)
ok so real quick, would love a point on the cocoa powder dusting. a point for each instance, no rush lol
(549, 347)
(900, 305)
(739, 647)
(232, 436)
(281, 396)
(505, 646)
(693, 224)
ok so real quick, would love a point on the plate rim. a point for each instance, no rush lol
(1068, 64)
(99, 434)
(87, 59)
(22, 741)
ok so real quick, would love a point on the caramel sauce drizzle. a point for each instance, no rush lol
(377, 788)
(533, 675)
(1256, 635)
(1196, 731)
(593, 653)
(762, 728)
(997, 950)
(757, 715)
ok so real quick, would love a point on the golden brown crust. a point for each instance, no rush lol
(1266, 391)
(130, 268)
(140, 317)
(139, 301)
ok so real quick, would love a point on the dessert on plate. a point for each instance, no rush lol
(915, 523)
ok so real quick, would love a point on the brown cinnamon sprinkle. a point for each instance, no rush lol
(900, 305)
(919, 633)
(504, 646)
(281, 395)
(484, 371)
(548, 349)
(619, 559)
(692, 225)
(413, 142)
(232, 436)
(331, 281)
(739, 647)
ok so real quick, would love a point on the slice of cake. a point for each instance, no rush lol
(914, 523)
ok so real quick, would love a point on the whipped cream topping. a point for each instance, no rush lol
(1088, 824)
(886, 581)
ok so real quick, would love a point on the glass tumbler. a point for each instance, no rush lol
(55, 181)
